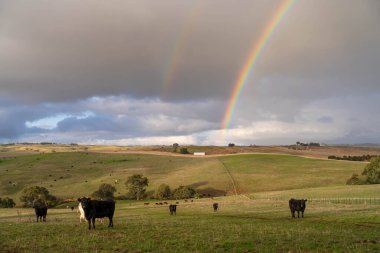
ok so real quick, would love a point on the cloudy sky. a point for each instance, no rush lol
(158, 72)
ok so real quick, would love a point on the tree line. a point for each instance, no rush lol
(362, 158)
(135, 185)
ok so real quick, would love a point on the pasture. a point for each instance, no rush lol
(252, 191)
(240, 225)
(67, 174)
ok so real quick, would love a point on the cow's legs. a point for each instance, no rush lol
(44, 218)
(89, 224)
(298, 213)
(93, 223)
(293, 214)
(110, 223)
(302, 214)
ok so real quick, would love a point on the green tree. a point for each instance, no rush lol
(136, 185)
(104, 192)
(28, 195)
(8, 203)
(183, 151)
(175, 147)
(354, 179)
(372, 171)
(183, 192)
(163, 192)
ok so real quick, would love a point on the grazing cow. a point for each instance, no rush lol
(298, 205)
(215, 206)
(41, 210)
(173, 209)
(81, 211)
(97, 209)
(146, 204)
(82, 215)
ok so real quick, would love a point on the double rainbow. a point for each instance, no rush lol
(252, 59)
(173, 67)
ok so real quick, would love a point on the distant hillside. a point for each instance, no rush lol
(77, 174)
(312, 151)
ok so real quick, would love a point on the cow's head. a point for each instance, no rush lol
(84, 202)
(38, 203)
(303, 203)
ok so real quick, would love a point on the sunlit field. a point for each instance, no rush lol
(240, 225)
(69, 174)
(252, 191)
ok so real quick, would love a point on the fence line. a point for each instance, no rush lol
(366, 201)
(342, 200)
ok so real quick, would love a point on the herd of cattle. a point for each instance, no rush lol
(92, 209)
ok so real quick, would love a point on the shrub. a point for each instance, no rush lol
(183, 192)
(354, 180)
(136, 185)
(30, 194)
(163, 192)
(7, 203)
(104, 192)
(372, 171)
(183, 151)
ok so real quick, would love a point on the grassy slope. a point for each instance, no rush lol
(257, 222)
(255, 173)
(65, 174)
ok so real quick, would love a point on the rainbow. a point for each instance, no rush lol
(172, 68)
(252, 58)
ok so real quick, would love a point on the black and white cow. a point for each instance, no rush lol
(97, 209)
(173, 209)
(40, 209)
(298, 205)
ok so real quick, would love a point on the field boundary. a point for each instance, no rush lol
(231, 178)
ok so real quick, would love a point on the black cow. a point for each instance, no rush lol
(215, 206)
(41, 210)
(173, 209)
(97, 209)
(298, 205)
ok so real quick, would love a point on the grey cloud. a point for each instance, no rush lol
(61, 50)
(112, 58)
(112, 118)
(325, 119)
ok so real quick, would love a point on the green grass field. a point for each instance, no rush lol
(65, 174)
(241, 225)
(338, 218)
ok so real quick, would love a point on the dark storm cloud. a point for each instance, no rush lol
(66, 50)
(111, 58)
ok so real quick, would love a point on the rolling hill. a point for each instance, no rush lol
(78, 173)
